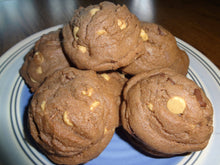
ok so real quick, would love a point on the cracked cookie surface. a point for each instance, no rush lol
(44, 59)
(168, 113)
(73, 115)
(161, 51)
(103, 37)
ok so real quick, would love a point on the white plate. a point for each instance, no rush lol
(15, 146)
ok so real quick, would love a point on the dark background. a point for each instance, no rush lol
(197, 22)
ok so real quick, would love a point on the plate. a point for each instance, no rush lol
(15, 141)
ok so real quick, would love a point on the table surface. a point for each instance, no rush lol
(197, 22)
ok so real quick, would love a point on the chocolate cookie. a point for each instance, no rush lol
(167, 112)
(181, 64)
(103, 37)
(74, 113)
(45, 58)
(161, 51)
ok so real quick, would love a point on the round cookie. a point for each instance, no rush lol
(161, 51)
(74, 113)
(167, 113)
(45, 58)
(103, 37)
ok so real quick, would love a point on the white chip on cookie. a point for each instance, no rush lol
(122, 24)
(66, 119)
(82, 48)
(94, 105)
(144, 35)
(94, 11)
(176, 105)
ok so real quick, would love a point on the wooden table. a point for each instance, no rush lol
(197, 22)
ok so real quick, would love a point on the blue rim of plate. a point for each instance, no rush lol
(15, 119)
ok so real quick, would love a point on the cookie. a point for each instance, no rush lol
(45, 58)
(161, 51)
(74, 113)
(167, 113)
(103, 37)
(181, 64)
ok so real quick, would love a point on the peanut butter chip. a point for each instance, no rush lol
(39, 70)
(88, 92)
(122, 24)
(105, 130)
(82, 48)
(101, 32)
(144, 35)
(122, 75)
(105, 76)
(38, 57)
(43, 105)
(176, 105)
(75, 31)
(94, 105)
(93, 11)
(150, 106)
(33, 80)
(192, 126)
(66, 119)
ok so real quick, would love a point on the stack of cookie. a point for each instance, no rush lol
(105, 64)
